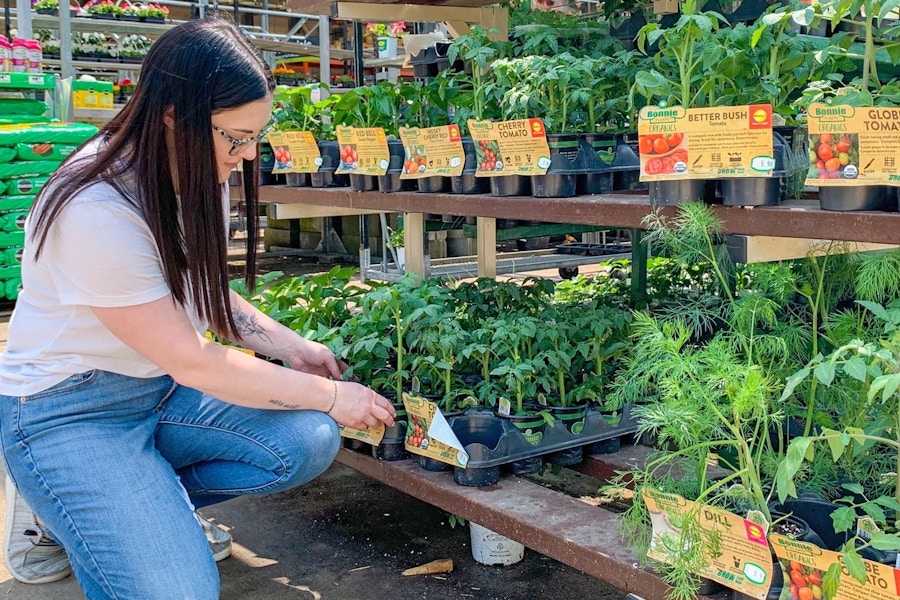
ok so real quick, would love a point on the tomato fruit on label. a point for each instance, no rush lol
(674, 139)
(660, 145)
(824, 151)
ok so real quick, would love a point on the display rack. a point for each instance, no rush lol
(793, 219)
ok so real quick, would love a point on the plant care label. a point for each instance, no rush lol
(705, 143)
(430, 152)
(510, 147)
(364, 150)
(429, 434)
(732, 550)
(372, 435)
(806, 566)
(295, 152)
(853, 145)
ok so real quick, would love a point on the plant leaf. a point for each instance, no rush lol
(885, 541)
(855, 566)
(825, 373)
(843, 518)
(856, 368)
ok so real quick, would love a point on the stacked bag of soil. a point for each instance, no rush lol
(29, 153)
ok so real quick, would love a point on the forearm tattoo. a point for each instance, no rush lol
(247, 325)
(284, 404)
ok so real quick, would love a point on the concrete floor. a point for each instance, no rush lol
(347, 537)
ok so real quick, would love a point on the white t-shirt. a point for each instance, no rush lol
(99, 252)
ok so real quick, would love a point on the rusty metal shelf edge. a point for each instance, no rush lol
(795, 218)
(582, 536)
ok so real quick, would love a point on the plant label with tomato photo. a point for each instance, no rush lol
(372, 435)
(743, 561)
(853, 145)
(295, 152)
(429, 434)
(434, 151)
(805, 567)
(510, 147)
(705, 143)
(364, 150)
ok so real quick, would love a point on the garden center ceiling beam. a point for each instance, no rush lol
(458, 18)
(573, 532)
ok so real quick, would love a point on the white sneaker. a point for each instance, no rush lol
(30, 555)
(219, 539)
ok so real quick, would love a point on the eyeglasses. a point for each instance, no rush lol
(238, 144)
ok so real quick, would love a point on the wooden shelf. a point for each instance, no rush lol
(793, 219)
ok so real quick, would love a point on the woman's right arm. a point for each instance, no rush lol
(162, 332)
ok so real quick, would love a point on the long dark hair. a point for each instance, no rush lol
(195, 70)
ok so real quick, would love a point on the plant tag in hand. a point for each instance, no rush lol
(510, 147)
(295, 152)
(364, 150)
(372, 435)
(504, 407)
(430, 152)
(429, 434)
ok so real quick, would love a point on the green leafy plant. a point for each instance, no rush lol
(683, 73)
(876, 366)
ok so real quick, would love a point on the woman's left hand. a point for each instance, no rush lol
(316, 359)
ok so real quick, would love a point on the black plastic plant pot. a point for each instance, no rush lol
(626, 165)
(567, 457)
(527, 466)
(467, 182)
(390, 182)
(434, 465)
(752, 191)
(679, 191)
(566, 164)
(572, 417)
(817, 514)
(854, 197)
(479, 433)
(326, 177)
(554, 185)
(530, 426)
(891, 199)
(433, 185)
(599, 152)
(510, 185)
(297, 179)
(610, 446)
(390, 451)
(363, 183)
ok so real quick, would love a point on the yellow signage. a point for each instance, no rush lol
(295, 152)
(435, 151)
(510, 147)
(699, 143)
(364, 150)
(852, 145)
(429, 434)
(743, 561)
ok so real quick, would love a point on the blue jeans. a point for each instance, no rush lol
(108, 463)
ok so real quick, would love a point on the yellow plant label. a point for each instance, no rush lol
(705, 143)
(372, 435)
(435, 151)
(735, 550)
(295, 152)
(364, 151)
(804, 566)
(853, 145)
(429, 434)
(510, 147)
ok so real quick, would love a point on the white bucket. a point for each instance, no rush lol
(491, 548)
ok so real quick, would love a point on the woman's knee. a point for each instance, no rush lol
(313, 448)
